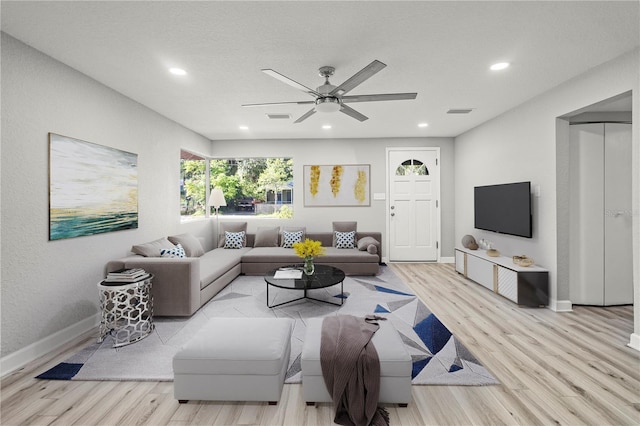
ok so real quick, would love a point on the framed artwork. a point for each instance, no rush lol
(338, 185)
(92, 188)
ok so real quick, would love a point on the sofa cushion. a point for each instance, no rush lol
(215, 263)
(152, 248)
(192, 246)
(231, 227)
(177, 251)
(369, 244)
(293, 229)
(267, 236)
(345, 240)
(282, 256)
(291, 238)
(234, 240)
(343, 227)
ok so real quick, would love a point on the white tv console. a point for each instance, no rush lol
(527, 286)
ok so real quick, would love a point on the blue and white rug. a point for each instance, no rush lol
(438, 357)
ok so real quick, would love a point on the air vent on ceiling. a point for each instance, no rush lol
(460, 111)
(278, 116)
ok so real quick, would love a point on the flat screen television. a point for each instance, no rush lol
(504, 208)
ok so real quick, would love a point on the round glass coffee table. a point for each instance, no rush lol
(324, 276)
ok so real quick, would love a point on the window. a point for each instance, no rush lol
(251, 186)
(193, 181)
(412, 167)
(254, 186)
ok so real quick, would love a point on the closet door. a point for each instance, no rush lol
(618, 288)
(600, 201)
(587, 207)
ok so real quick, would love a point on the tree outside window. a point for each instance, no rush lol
(251, 186)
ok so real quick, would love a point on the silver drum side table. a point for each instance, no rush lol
(127, 311)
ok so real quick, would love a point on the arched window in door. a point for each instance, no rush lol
(412, 167)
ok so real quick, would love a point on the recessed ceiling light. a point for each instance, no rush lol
(177, 71)
(326, 126)
(423, 125)
(243, 127)
(499, 66)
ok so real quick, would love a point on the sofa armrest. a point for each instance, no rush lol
(176, 282)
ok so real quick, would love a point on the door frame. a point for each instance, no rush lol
(387, 246)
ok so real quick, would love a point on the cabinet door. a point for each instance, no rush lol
(460, 256)
(480, 271)
(508, 283)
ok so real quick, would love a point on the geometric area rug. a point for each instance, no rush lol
(438, 357)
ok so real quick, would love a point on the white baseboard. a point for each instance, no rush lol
(447, 260)
(561, 306)
(634, 341)
(21, 357)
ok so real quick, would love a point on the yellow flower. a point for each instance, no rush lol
(309, 248)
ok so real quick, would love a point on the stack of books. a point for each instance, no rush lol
(126, 276)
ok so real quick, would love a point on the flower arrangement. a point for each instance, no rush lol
(309, 248)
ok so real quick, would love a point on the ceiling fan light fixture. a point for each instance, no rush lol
(327, 104)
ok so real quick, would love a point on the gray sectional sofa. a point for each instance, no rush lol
(181, 285)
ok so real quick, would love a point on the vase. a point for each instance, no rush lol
(308, 265)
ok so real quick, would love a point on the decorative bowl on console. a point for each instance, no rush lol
(493, 252)
(523, 260)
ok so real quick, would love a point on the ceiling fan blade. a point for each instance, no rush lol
(381, 97)
(358, 78)
(306, 115)
(290, 82)
(353, 113)
(279, 103)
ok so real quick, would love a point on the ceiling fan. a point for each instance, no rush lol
(329, 98)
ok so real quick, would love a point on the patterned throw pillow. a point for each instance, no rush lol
(233, 240)
(344, 240)
(177, 251)
(290, 238)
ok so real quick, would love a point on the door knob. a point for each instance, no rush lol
(393, 214)
(393, 207)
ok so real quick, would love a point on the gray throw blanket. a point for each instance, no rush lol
(351, 369)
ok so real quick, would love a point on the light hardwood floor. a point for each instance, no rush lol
(570, 368)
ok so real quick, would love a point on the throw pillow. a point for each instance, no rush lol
(364, 242)
(372, 248)
(234, 240)
(192, 246)
(266, 237)
(290, 238)
(344, 240)
(177, 251)
(343, 227)
(231, 227)
(293, 229)
(152, 248)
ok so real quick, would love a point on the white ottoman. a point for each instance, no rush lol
(395, 365)
(234, 359)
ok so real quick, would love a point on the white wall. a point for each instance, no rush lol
(48, 286)
(521, 145)
(348, 151)
(49, 289)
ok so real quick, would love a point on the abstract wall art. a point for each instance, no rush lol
(337, 185)
(92, 188)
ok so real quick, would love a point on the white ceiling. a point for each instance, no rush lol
(442, 50)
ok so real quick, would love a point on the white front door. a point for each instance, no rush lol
(414, 186)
